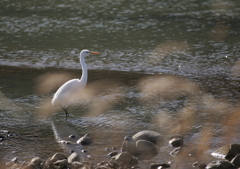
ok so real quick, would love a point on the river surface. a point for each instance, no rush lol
(169, 66)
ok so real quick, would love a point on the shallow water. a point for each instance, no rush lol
(189, 49)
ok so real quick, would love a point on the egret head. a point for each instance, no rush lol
(86, 52)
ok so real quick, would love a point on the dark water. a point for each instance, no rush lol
(188, 48)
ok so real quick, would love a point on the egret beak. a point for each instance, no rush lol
(95, 53)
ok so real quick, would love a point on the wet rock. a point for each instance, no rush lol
(221, 164)
(4, 131)
(14, 160)
(2, 138)
(85, 140)
(71, 136)
(227, 152)
(141, 149)
(158, 166)
(113, 153)
(236, 160)
(37, 161)
(112, 164)
(57, 156)
(201, 165)
(126, 159)
(73, 157)
(77, 165)
(61, 163)
(64, 142)
(152, 136)
(146, 150)
(176, 141)
(129, 145)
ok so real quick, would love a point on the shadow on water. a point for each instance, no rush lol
(115, 104)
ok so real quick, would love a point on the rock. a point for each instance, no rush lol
(236, 160)
(71, 136)
(73, 157)
(2, 138)
(157, 166)
(202, 166)
(37, 161)
(176, 142)
(77, 165)
(57, 156)
(85, 140)
(152, 136)
(129, 145)
(113, 153)
(221, 164)
(126, 159)
(112, 164)
(14, 160)
(146, 150)
(141, 149)
(227, 152)
(61, 163)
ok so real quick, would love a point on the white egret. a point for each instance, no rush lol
(66, 94)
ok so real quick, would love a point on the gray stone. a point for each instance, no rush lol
(221, 164)
(152, 136)
(236, 160)
(85, 140)
(126, 159)
(36, 160)
(141, 149)
(113, 153)
(77, 165)
(62, 162)
(129, 145)
(176, 142)
(73, 157)
(14, 160)
(146, 150)
(227, 152)
(57, 156)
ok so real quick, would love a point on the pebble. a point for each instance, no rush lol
(58, 156)
(176, 142)
(71, 136)
(85, 140)
(73, 157)
(113, 153)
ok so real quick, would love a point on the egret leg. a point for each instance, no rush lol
(65, 110)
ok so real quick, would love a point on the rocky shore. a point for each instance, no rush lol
(144, 145)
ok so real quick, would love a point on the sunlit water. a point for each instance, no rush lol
(197, 40)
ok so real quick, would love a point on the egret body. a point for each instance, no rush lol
(68, 92)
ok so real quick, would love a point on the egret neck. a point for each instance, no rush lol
(84, 69)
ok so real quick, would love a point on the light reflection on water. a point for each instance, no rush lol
(52, 34)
